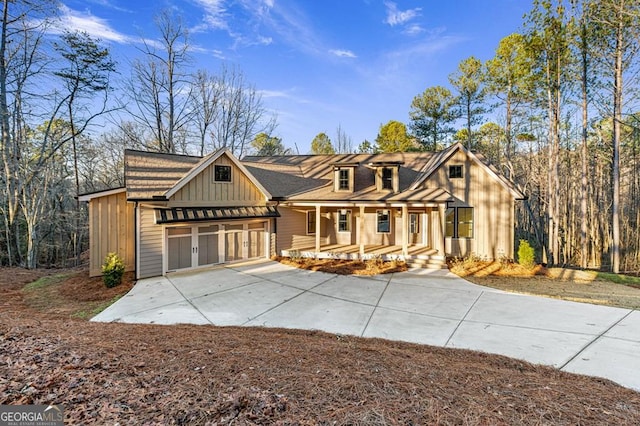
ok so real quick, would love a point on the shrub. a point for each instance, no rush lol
(112, 270)
(526, 255)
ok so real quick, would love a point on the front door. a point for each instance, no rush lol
(415, 228)
(191, 246)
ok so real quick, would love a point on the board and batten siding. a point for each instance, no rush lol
(493, 204)
(111, 227)
(203, 191)
(151, 244)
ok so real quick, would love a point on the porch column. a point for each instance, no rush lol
(440, 239)
(405, 230)
(362, 231)
(317, 229)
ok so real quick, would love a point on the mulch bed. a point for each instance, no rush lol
(345, 267)
(187, 374)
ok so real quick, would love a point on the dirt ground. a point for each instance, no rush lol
(559, 283)
(187, 374)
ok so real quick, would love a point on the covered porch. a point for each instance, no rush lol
(408, 231)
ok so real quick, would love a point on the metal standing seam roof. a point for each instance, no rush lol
(196, 214)
(152, 174)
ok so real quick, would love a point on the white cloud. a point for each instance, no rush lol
(96, 27)
(414, 29)
(214, 14)
(342, 53)
(399, 17)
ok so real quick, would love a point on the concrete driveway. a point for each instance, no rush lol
(432, 307)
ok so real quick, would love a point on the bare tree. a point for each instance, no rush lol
(22, 60)
(241, 114)
(159, 86)
(344, 144)
(206, 99)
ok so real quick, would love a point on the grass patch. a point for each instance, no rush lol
(72, 294)
(620, 279)
(47, 281)
(91, 312)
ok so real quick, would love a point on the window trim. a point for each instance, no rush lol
(310, 213)
(348, 179)
(379, 212)
(456, 223)
(347, 219)
(459, 171)
(215, 173)
(418, 217)
(384, 180)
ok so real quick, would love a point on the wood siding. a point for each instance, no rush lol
(151, 244)
(292, 229)
(493, 205)
(203, 191)
(111, 228)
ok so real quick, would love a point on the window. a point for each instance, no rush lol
(311, 222)
(343, 179)
(414, 223)
(384, 222)
(459, 222)
(455, 172)
(222, 173)
(344, 220)
(387, 178)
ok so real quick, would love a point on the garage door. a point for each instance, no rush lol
(192, 246)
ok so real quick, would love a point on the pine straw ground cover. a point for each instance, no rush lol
(187, 374)
(372, 266)
(560, 283)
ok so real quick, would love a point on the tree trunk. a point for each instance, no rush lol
(617, 121)
(584, 229)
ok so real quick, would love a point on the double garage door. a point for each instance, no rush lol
(192, 246)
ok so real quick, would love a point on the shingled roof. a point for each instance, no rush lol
(150, 175)
(310, 177)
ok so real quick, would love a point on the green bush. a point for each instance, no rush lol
(112, 270)
(526, 255)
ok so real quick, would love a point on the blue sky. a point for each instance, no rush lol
(318, 63)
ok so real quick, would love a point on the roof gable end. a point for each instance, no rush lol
(446, 154)
(209, 160)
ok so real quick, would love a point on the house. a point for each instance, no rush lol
(179, 212)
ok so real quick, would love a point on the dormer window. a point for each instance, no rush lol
(387, 178)
(387, 174)
(344, 178)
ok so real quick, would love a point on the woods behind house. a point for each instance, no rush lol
(556, 110)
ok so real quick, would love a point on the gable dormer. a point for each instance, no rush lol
(387, 175)
(344, 176)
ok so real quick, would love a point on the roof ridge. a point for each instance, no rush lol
(173, 154)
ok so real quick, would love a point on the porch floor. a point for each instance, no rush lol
(352, 251)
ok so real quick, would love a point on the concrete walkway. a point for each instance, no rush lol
(432, 307)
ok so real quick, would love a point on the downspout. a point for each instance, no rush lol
(135, 240)
(275, 231)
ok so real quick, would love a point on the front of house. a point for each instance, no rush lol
(180, 212)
